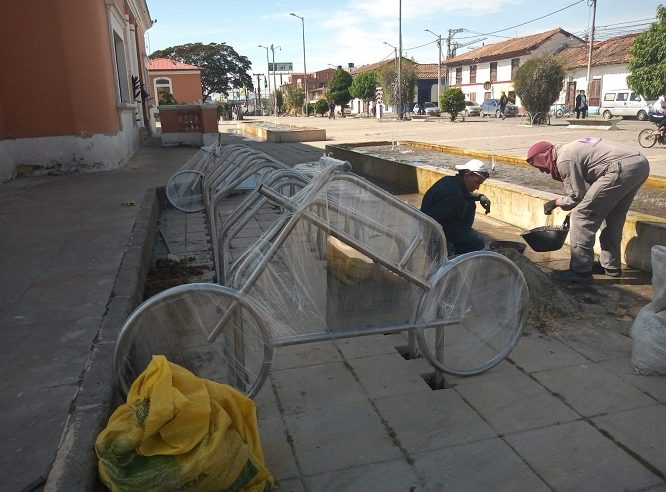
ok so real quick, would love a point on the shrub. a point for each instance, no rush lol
(452, 102)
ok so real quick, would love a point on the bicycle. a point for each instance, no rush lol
(561, 111)
(535, 119)
(648, 137)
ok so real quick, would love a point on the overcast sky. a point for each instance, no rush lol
(338, 32)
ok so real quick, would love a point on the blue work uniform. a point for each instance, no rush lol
(450, 204)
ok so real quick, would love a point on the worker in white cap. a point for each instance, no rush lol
(451, 201)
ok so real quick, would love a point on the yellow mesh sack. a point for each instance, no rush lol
(179, 432)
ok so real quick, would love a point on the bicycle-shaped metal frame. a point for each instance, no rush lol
(466, 314)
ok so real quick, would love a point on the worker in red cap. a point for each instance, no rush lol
(451, 201)
(600, 180)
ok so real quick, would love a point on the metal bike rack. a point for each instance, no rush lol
(343, 259)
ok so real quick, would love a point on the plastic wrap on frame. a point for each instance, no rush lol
(339, 257)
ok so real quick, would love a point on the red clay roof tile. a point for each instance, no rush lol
(506, 49)
(166, 64)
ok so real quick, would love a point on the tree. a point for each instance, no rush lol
(647, 62)
(338, 88)
(364, 85)
(295, 98)
(539, 82)
(388, 76)
(223, 68)
(321, 106)
(452, 102)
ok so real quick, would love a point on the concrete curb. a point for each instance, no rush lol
(652, 181)
(75, 464)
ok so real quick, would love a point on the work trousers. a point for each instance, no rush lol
(466, 243)
(605, 206)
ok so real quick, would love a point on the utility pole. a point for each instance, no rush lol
(305, 70)
(400, 60)
(274, 80)
(589, 53)
(268, 67)
(449, 53)
(258, 93)
(439, 65)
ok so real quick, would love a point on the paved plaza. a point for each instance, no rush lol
(563, 412)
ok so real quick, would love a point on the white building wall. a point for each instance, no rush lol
(612, 77)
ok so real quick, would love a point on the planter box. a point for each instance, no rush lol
(187, 124)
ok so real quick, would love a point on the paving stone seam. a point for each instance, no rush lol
(290, 439)
(601, 431)
(390, 432)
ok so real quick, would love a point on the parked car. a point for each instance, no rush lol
(624, 102)
(472, 109)
(431, 109)
(491, 107)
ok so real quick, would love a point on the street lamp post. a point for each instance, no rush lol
(268, 67)
(439, 65)
(272, 48)
(274, 79)
(305, 70)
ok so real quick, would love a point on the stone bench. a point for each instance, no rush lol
(595, 123)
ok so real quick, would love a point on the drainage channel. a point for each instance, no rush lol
(651, 201)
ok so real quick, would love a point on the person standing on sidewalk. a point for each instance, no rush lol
(331, 110)
(581, 105)
(503, 100)
(600, 179)
(451, 201)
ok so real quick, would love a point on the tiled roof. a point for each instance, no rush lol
(506, 49)
(166, 64)
(375, 66)
(429, 71)
(611, 51)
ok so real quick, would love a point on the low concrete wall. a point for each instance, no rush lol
(293, 134)
(513, 204)
(187, 124)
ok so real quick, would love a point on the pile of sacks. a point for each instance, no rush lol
(648, 332)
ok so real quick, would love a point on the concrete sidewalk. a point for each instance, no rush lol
(563, 412)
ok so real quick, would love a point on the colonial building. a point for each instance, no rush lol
(494, 65)
(73, 93)
(181, 80)
(608, 70)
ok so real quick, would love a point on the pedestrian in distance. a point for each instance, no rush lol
(451, 201)
(331, 110)
(581, 105)
(503, 101)
(600, 180)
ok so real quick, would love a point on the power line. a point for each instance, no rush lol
(527, 22)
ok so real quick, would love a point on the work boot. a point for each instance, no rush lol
(572, 277)
(610, 272)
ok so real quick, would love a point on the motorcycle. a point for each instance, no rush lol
(648, 137)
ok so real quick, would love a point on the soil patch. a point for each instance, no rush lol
(167, 273)
(550, 302)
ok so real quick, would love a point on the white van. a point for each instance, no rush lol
(624, 102)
